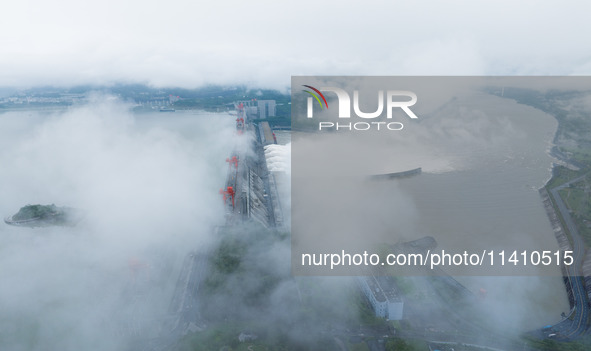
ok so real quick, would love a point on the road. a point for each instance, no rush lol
(570, 329)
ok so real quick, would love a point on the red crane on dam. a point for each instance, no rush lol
(228, 192)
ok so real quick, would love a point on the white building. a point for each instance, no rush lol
(383, 296)
(266, 108)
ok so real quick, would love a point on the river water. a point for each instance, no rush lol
(483, 160)
(485, 196)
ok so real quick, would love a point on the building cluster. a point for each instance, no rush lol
(260, 109)
(52, 99)
(156, 102)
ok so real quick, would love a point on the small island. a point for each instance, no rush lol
(43, 216)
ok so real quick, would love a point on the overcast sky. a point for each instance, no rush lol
(262, 43)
